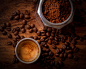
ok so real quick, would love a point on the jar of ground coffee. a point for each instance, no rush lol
(56, 13)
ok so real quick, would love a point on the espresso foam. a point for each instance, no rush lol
(28, 51)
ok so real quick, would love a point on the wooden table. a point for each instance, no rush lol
(7, 51)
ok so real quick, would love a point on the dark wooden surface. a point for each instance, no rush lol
(7, 51)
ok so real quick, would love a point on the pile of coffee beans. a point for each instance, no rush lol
(47, 37)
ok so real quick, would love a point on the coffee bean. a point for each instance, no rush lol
(70, 39)
(61, 50)
(9, 35)
(51, 53)
(49, 42)
(14, 39)
(52, 34)
(14, 13)
(47, 50)
(17, 37)
(76, 37)
(11, 17)
(8, 28)
(38, 41)
(35, 37)
(62, 36)
(16, 33)
(81, 39)
(69, 51)
(21, 15)
(67, 43)
(65, 55)
(27, 16)
(30, 30)
(23, 30)
(44, 37)
(38, 33)
(42, 40)
(64, 46)
(31, 37)
(8, 24)
(1, 29)
(21, 37)
(35, 30)
(32, 25)
(21, 26)
(52, 63)
(61, 55)
(9, 42)
(68, 47)
(27, 12)
(13, 30)
(43, 33)
(57, 51)
(57, 55)
(51, 37)
(76, 49)
(43, 43)
(3, 25)
(49, 29)
(18, 12)
(76, 58)
(16, 17)
(24, 22)
(73, 42)
(53, 46)
(46, 54)
(73, 35)
(17, 29)
(14, 44)
(56, 63)
(70, 56)
(62, 40)
(4, 32)
(47, 58)
(47, 34)
(85, 37)
(55, 38)
(46, 46)
(52, 58)
(45, 28)
(54, 42)
(39, 38)
(61, 63)
(73, 46)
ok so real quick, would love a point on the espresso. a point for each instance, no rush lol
(28, 50)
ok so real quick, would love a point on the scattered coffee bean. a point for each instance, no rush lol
(1, 29)
(35, 37)
(4, 32)
(85, 37)
(67, 43)
(24, 22)
(69, 51)
(3, 25)
(32, 25)
(43, 33)
(53, 46)
(57, 55)
(8, 24)
(62, 40)
(81, 39)
(51, 37)
(52, 58)
(54, 42)
(17, 37)
(39, 38)
(14, 39)
(65, 55)
(76, 58)
(47, 50)
(38, 33)
(51, 53)
(76, 49)
(14, 44)
(23, 30)
(16, 17)
(62, 58)
(9, 35)
(64, 46)
(31, 37)
(52, 63)
(61, 55)
(13, 30)
(70, 56)
(28, 26)
(61, 63)
(21, 26)
(18, 12)
(44, 37)
(17, 29)
(73, 42)
(73, 46)
(56, 63)
(43, 43)
(70, 39)
(9, 42)
(47, 34)
(45, 28)
(76, 37)
(14, 13)
(49, 29)
(52, 34)
(49, 42)
(21, 15)
(8, 28)
(61, 50)
(46, 46)
(35, 30)
(42, 40)
(27, 12)
(16, 33)
(27, 16)
(11, 17)
(21, 37)
(30, 30)
(68, 47)
(57, 51)
(46, 54)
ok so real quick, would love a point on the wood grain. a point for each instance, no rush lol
(7, 51)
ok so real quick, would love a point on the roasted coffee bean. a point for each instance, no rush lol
(38, 33)
(47, 58)
(27, 12)
(43, 33)
(62, 40)
(31, 37)
(51, 53)
(4, 32)
(70, 39)
(85, 37)
(35, 37)
(70, 56)
(73, 46)
(52, 63)
(65, 55)
(46, 46)
(21, 26)
(35, 30)
(21, 37)
(49, 29)
(3, 25)
(47, 34)
(13, 30)
(81, 39)
(52, 34)
(49, 42)
(76, 37)
(57, 55)
(44, 37)
(67, 43)
(17, 37)
(24, 22)
(8, 28)
(65, 37)
(14, 13)
(52, 58)
(14, 44)
(38, 41)
(14, 39)
(61, 63)
(46, 54)
(76, 58)
(55, 38)
(30, 30)
(51, 37)
(62, 36)
(56, 63)
(45, 28)
(17, 29)
(23, 30)
(9, 42)
(47, 50)
(21, 15)
(9, 35)
(61, 55)
(1, 29)
(57, 50)
(43, 43)
(73, 35)
(73, 42)
(17, 17)
(27, 16)
(18, 12)
(64, 46)
(54, 42)
(39, 38)
(8, 24)
(16, 33)
(53, 46)
(11, 17)
(32, 25)
(68, 47)
(76, 49)
(69, 51)
(42, 40)
(61, 50)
